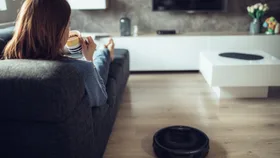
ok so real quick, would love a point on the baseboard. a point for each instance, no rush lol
(164, 72)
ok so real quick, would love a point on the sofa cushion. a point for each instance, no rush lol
(116, 72)
(120, 56)
(44, 90)
(119, 69)
(116, 68)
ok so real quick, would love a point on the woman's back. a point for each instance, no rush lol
(41, 32)
(95, 75)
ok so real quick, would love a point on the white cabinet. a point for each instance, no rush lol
(181, 52)
(88, 4)
(8, 10)
(3, 5)
(162, 54)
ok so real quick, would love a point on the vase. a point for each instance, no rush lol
(125, 26)
(255, 26)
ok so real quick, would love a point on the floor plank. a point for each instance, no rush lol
(237, 128)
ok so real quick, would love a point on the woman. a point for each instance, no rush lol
(41, 32)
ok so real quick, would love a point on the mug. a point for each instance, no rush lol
(73, 42)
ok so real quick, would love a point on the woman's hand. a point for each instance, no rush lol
(88, 48)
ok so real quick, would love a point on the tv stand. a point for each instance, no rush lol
(180, 52)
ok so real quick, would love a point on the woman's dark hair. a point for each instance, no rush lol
(39, 30)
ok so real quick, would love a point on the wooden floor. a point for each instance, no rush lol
(246, 128)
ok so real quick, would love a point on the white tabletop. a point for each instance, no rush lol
(215, 59)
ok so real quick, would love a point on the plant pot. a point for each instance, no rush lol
(255, 26)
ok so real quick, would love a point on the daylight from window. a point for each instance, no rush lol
(3, 5)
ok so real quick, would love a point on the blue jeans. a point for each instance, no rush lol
(102, 62)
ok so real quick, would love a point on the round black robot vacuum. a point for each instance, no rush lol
(179, 142)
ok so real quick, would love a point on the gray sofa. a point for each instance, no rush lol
(43, 110)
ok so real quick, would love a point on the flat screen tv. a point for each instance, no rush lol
(190, 5)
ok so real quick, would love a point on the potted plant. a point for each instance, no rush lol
(256, 11)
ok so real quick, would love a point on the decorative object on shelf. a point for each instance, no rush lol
(272, 26)
(277, 29)
(125, 26)
(256, 11)
(135, 30)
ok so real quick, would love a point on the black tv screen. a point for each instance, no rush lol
(189, 5)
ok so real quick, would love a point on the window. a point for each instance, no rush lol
(3, 5)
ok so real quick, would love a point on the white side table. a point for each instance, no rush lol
(235, 78)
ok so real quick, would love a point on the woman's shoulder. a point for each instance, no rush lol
(79, 64)
(71, 60)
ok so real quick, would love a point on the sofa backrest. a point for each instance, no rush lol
(33, 90)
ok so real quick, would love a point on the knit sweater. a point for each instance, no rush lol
(95, 76)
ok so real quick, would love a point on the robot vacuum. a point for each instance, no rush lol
(180, 142)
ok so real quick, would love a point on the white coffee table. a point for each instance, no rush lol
(234, 78)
